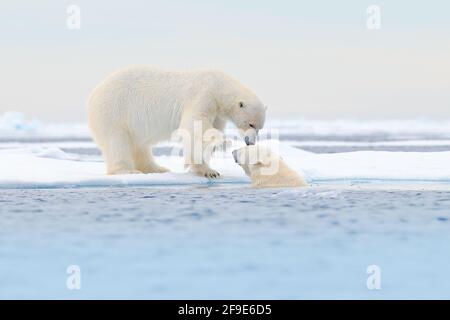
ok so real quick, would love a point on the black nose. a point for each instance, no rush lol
(247, 141)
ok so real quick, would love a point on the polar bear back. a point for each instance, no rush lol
(147, 101)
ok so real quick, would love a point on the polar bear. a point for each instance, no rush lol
(266, 169)
(137, 107)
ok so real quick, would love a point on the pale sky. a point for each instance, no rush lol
(305, 59)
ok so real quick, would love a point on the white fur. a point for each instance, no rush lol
(266, 169)
(135, 108)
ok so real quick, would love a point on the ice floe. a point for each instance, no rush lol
(35, 167)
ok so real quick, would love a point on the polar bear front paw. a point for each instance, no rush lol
(206, 172)
(212, 174)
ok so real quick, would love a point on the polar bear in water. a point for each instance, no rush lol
(266, 169)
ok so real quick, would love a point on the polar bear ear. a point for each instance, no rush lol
(241, 105)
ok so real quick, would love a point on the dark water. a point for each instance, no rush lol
(226, 242)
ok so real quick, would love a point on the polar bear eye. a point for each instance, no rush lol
(241, 104)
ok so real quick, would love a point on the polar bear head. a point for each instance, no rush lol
(248, 114)
(265, 168)
(239, 104)
(256, 159)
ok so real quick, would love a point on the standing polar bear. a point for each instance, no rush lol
(137, 107)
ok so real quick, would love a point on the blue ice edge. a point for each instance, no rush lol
(219, 182)
(122, 184)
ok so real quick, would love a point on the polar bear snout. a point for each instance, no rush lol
(234, 153)
(250, 137)
(250, 140)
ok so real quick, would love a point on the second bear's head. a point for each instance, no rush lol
(257, 160)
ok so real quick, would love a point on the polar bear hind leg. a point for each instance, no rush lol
(144, 161)
(117, 152)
